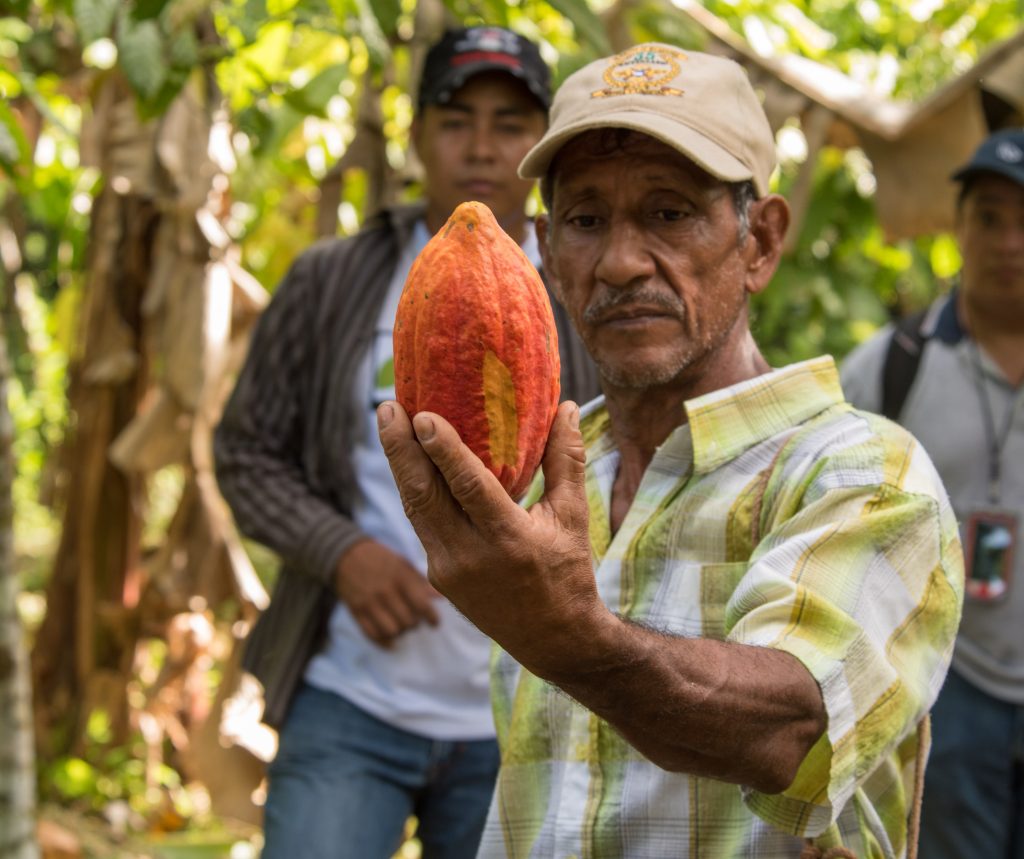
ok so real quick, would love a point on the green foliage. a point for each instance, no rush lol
(95, 18)
(104, 774)
(292, 74)
(15, 156)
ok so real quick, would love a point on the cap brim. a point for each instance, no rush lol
(700, 149)
(1013, 173)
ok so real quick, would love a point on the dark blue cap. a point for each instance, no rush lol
(1001, 153)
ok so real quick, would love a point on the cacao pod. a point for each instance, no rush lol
(475, 342)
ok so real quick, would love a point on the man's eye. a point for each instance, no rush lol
(669, 214)
(584, 222)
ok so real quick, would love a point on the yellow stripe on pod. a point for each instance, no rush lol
(501, 412)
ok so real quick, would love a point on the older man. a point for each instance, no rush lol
(734, 598)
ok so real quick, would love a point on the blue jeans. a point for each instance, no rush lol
(973, 794)
(344, 783)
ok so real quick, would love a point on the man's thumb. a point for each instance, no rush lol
(563, 464)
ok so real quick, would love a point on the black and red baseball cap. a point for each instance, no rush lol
(461, 54)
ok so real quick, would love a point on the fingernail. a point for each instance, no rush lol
(574, 418)
(385, 414)
(424, 428)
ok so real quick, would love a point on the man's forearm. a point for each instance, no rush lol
(736, 713)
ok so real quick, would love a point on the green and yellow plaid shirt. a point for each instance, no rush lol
(781, 517)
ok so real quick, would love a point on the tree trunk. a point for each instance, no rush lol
(85, 645)
(167, 306)
(17, 761)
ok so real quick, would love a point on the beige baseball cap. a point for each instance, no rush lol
(699, 104)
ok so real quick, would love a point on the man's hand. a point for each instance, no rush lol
(524, 577)
(385, 593)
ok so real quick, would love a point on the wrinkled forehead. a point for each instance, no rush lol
(599, 151)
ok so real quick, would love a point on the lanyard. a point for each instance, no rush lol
(995, 441)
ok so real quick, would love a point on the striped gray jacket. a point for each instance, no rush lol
(282, 449)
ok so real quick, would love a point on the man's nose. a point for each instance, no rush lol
(624, 259)
(481, 144)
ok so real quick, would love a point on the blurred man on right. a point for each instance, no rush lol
(955, 378)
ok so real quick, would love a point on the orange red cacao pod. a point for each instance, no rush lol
(475, 342)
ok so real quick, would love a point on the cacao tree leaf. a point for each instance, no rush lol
(589, 29)
(387, 13)
(184, 50)
(15, 30)
(144, 10)
(252, 18)
(314, 96)
(15, 8)
(140, 48)
(154, 107)
(9, 150)
(14, 148)
(372, 34)
(94, 18)
(283, 121)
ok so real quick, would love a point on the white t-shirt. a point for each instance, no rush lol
(432, 681)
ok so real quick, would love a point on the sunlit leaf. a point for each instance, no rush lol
(372, 34)
(945, 256)
(314, 96)
(270, 50)
(74, 777)
(14, 29)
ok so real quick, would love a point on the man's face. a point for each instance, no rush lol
(990, 231)
(472, 146)
(645, 251)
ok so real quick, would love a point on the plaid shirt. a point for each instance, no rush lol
(781, 517)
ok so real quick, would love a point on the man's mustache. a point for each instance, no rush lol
(643, 297)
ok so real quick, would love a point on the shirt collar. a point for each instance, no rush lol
(727, 422)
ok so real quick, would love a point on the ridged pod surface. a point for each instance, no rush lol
(475, 342)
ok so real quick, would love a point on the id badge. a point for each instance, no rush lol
(989, 546)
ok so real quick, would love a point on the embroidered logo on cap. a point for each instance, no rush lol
(1009, 152)
(645, 70)
(488, 40)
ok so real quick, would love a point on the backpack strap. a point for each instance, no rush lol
(901, 362)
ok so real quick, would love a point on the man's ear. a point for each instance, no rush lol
(769, 220)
